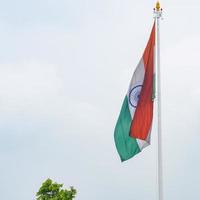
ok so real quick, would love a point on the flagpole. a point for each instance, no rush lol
(158, 15)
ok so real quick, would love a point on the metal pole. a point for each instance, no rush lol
(158, 15)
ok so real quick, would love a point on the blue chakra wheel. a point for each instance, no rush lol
(134, 95)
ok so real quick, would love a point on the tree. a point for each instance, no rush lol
(54, 191)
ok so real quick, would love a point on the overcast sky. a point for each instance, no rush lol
(65, 67)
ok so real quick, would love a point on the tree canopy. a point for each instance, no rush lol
(53, 191)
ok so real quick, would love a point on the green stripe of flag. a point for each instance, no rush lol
(126, 146)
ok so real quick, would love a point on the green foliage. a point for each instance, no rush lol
(54, 191)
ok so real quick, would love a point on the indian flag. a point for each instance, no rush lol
(133, 128)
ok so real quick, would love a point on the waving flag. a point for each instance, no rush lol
(133, 128)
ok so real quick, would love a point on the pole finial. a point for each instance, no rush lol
(158, 6)
(158, 10)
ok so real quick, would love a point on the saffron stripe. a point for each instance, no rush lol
(142, 120)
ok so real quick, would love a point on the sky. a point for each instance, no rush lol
(65, 67)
